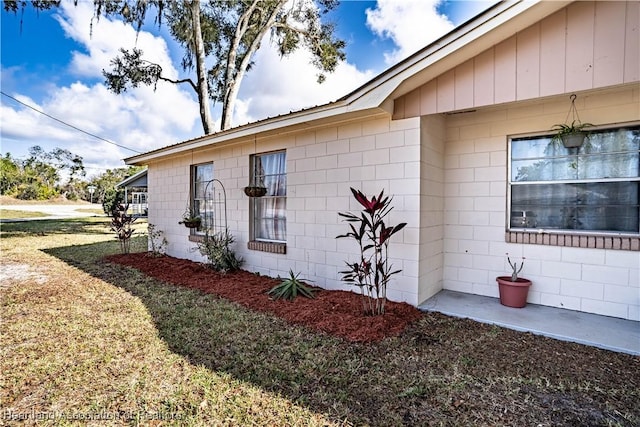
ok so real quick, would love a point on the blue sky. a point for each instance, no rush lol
(53, 64)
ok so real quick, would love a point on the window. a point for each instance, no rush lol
(268, 213)
(202, 175)
(593, 188)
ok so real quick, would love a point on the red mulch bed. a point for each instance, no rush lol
(335, 312)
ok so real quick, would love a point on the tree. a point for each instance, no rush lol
(227, 33)
(9, 175)
(42, 175)
(46, 167)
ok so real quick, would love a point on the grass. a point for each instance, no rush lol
(15, 214)
(84, 337)
(95, 211)
(76, 344)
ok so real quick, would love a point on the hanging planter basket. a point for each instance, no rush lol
(256, 186)
(572, 135)
(191, 223)
(255, 191)
(575, 139)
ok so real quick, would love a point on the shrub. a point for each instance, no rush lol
(121, 224)
(373, 271)
(157, 240)
(290, 288)
(112, 199)
(35, 191)
(217, 248)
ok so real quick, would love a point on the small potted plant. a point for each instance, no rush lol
(513, 289)
(190, 219)
(572, 135)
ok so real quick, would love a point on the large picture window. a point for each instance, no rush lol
(201, 190)
(268, 213)
(593, 188)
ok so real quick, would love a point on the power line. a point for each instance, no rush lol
(69, 125)
(98, 168)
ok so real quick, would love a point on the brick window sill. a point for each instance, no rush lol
(592, 241)
(198, 238)
(271, 247)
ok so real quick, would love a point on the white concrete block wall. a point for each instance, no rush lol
(598, 281)
(431, 235)
(322, 165)
(168, 183)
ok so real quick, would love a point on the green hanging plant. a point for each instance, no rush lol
(572, 135)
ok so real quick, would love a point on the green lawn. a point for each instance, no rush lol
(15, 214)
(82, 337)
(96, 211)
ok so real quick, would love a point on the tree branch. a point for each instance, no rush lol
(187, 80)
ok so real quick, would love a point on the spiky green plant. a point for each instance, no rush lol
(290, 288)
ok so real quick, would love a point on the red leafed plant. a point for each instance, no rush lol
(373, 271)
(121, 224)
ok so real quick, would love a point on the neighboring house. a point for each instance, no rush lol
(459, 134)
(135, 193)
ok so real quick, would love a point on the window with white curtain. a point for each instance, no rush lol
(201, 193)
(594, 188)
(268, 213)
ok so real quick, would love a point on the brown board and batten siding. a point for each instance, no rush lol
(584, 46)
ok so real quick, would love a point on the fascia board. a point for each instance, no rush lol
(505, 20)
(132, 178)
(294, 122)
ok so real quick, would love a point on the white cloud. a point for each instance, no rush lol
(142, 119)
(411, 24)
(280, 85)
(102, 38)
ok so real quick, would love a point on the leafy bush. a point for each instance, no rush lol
(290, 288)
(112, 199)
(121, 223)
(35, 191)
(157, 240)
(217, 248)
(373, 271)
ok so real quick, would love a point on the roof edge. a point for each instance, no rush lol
(293, 122)
(132, 178)
(373, 95)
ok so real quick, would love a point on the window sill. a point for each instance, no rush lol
(198, 238)
(271, 247)
(625, 243)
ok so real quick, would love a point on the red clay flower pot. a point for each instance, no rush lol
(513, 294)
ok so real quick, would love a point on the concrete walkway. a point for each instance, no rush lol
(590, 329)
